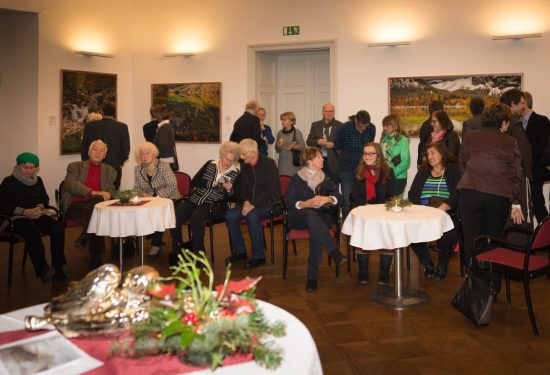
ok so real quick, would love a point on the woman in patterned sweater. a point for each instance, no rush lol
(213, 183)
(154, 178)
(435, 185)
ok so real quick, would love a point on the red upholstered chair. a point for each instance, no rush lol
(517, 261)
(303, 234)
(58, 200)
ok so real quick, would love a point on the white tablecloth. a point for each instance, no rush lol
(300, 354)
(371, 227)
(156, 215)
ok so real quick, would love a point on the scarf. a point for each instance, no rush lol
(311, 177)
(288, 131)
(370, 182)
(29, 181)
(437, 137)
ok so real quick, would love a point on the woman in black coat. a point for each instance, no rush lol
(435, 185)
(23, 198)
(442, 131)
(373, 183)
(309, 199)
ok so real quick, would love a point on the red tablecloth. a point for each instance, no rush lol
(99, 348)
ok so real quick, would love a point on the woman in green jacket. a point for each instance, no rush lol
(395, 147)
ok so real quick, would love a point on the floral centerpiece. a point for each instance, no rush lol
(126, 196)
(397, 203)
(201, 325)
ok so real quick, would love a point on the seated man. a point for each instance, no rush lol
(258, 188)
(86, 184)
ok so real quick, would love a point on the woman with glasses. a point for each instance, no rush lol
(373, 183)
(435, 185)
(395, 146)
(443, 132)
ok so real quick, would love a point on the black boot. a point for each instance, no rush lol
(385, 267)
(429, 270)
(363, 267)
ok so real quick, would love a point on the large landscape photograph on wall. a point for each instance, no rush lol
(409, 97)
(82, 93)
(195, 109)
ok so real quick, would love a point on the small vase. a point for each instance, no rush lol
(397, 209)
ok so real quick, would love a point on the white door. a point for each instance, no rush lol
(303, 86)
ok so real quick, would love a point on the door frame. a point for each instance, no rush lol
(254, 49)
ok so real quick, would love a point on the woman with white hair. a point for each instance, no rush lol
(213, 183)
(154, 178)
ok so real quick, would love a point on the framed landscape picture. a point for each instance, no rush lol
(409, 97)
(195, 109)
(81, 94)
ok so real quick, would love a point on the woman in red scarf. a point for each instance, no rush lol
(373, 183)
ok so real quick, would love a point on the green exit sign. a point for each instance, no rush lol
(291, 30)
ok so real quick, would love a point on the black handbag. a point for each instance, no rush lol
(175, 166)
(474, 300)
(295, 153)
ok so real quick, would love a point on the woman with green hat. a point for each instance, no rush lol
(24, 198)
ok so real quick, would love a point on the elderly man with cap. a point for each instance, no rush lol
(23, 198)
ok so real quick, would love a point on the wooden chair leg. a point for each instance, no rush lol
(24, 259)
(507, 282)
(211, 242)
(272, 243)
(285, 255)
(10, 265)
(294, 247)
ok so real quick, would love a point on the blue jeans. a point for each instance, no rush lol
(346, 182)
(233, 219)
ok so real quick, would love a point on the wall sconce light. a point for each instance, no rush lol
(517, 36)
(181, 54)
(95, 54)
(389, 44)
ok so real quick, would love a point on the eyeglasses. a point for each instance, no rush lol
(369, 153)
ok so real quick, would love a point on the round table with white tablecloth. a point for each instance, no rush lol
(151, 215)
(372, 227)
(300, 355)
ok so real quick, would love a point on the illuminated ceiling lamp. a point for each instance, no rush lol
(389, 44)
(516, 36)
(180, 54)
(95, 54)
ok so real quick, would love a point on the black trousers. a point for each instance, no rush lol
(482, 214)
(31, 230)
(81, 212)
(318, 224)
(446, 244)
(198, 217)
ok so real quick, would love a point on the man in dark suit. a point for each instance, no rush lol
(150, 129)
(248, 125)
(322, 135)
(114, 134)
(537, 129)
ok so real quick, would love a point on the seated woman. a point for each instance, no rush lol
(373, 183)
(213, 183)
(23, 198)
(154, 178)
(308, 199)
(435, 185)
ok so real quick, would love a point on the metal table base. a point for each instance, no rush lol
(398, 298)
(140, 245)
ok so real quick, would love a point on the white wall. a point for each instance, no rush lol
(449, 37)
(18, 92)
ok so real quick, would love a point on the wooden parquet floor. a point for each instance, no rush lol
(353, 335)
